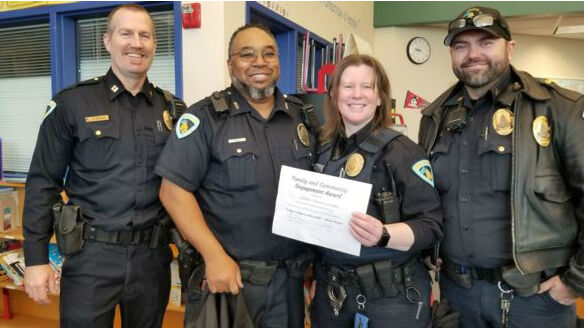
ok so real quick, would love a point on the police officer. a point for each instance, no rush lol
(387, 285)
(99, 142)
(508, 157)
(220, 174)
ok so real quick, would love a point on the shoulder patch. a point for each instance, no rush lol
(423, 169)
(186, 125)
(50, 108)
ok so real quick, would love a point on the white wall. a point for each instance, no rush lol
(205, 49)
(540, 56)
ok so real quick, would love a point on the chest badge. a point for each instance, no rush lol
(303, 134)
(167, 119)
(503, 121)
(542, 131)
(354, 164)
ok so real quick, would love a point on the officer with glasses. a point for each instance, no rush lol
(220, 173)
(507, 154)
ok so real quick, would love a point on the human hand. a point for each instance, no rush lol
(432, 266)
(366, 229)
(558, 291)
(37, 282)
(222, 275)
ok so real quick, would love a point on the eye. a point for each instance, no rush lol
(247, 54)
(269, 54)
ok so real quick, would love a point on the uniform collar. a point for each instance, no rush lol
(345, 144)
(115, 87)
(459, 91)
(240, 105)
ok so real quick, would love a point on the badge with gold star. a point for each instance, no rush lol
(542, 131)
(303, 134)
(354, 164)
(503, 121)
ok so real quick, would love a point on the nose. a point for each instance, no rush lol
(259, 60)
(136, 41)
(357, 92)
(473, 51)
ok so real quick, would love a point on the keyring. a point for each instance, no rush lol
(361, 300)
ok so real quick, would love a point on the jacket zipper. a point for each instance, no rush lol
(513, 186)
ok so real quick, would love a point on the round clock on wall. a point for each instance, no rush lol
(418, 50)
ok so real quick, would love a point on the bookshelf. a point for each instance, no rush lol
(25, 313)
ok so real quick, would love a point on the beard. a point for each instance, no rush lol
(253, 93)
(478, 79)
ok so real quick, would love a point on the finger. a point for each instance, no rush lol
(53, 287)
(359, 236)
(239, 281)
(360, 231)
(544, 287)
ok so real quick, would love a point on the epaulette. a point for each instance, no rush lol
(294, 100)
(566, 93)
(175, 106)
(308, 112)
(86, 82)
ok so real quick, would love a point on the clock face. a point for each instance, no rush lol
(418, 50)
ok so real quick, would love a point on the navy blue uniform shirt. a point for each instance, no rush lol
(473, 177)
(231, 162)
(100, 143)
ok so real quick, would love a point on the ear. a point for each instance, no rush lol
(107, 41)
(510, 49)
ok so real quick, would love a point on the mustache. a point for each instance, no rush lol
(474, 61)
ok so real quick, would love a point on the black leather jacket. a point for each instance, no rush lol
(547, 184)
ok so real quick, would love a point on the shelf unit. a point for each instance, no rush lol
(25, 313)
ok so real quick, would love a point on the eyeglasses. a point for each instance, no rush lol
(482, 20)
(250, 55)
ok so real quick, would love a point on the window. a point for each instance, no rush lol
(94, 60)
(25, 84)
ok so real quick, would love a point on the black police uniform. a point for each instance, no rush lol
(472, 168)
(100, 144)
(395, 283)
(230, 158)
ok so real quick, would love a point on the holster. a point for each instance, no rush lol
(68, 225)
(297, 266)
(462, 279)
(381, 280)
(258, 272)
(387, 206)
(524, 285)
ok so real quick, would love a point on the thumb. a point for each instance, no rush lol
(544, 286)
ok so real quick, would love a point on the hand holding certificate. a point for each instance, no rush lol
(316, 208)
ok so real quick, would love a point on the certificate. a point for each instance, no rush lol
(316, 208)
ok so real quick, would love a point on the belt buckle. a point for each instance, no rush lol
(125, 237)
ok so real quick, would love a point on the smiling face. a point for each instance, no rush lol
(479, 59)
(255, 79)
(358, 97)
(130, 43)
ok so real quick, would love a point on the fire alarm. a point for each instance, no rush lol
(191, 15)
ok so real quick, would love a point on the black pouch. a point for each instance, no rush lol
(258, 272)
(388, 206)
(368, 282)
(524, 285)
(384, 272)
(463, 280)
(68, 225)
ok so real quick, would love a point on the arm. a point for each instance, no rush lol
(222, 272)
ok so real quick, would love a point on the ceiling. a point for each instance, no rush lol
(542, 25)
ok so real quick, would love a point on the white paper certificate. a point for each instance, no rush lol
(316, 208)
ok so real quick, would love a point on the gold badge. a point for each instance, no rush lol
(99, 118)
(303, 134)
(167, 119)
(542, 131)
(503, 121)
(354, 164)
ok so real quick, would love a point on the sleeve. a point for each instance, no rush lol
(185, 158)
(420, 204)
(568, 141)
(44, 183)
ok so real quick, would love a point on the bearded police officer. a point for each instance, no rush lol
(507, 153)
(99, 142)
(220, 174)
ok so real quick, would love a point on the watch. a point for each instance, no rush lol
(418, 50)
(384, 240)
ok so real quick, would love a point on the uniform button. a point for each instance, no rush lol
(464, 171)
(471, 119)
(464, 142)
(98, 132)
(465, 228)
(238, 150)
(139, 160)
(464, 199)
(501, 149)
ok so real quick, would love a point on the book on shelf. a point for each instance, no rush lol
(4, 189)
(9, 215)
(55, 258)
(12, 263)
(17, 177)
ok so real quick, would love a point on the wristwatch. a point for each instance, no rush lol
(384, 238)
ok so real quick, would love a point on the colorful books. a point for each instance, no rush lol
(12, 263)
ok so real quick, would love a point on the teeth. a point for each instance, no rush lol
(135, 55)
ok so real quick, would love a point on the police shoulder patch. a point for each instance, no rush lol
(186, 125)
(423, 169)
(50, 108)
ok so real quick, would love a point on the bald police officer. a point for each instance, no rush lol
(507, 156)
(99, 142)
(220, 174)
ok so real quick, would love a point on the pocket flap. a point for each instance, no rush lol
(69, 218)
(552, 188)
(237, 150)
(99, 131)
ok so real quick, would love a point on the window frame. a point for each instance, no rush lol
(62, 19)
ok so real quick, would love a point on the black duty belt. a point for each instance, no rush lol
(493, 275)
(129, 237)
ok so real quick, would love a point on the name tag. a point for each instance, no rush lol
(99, 118)
(236, 140)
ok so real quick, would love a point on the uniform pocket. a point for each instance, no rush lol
(495, 155)
(442, 164)
(240, 164)
(98, 149)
